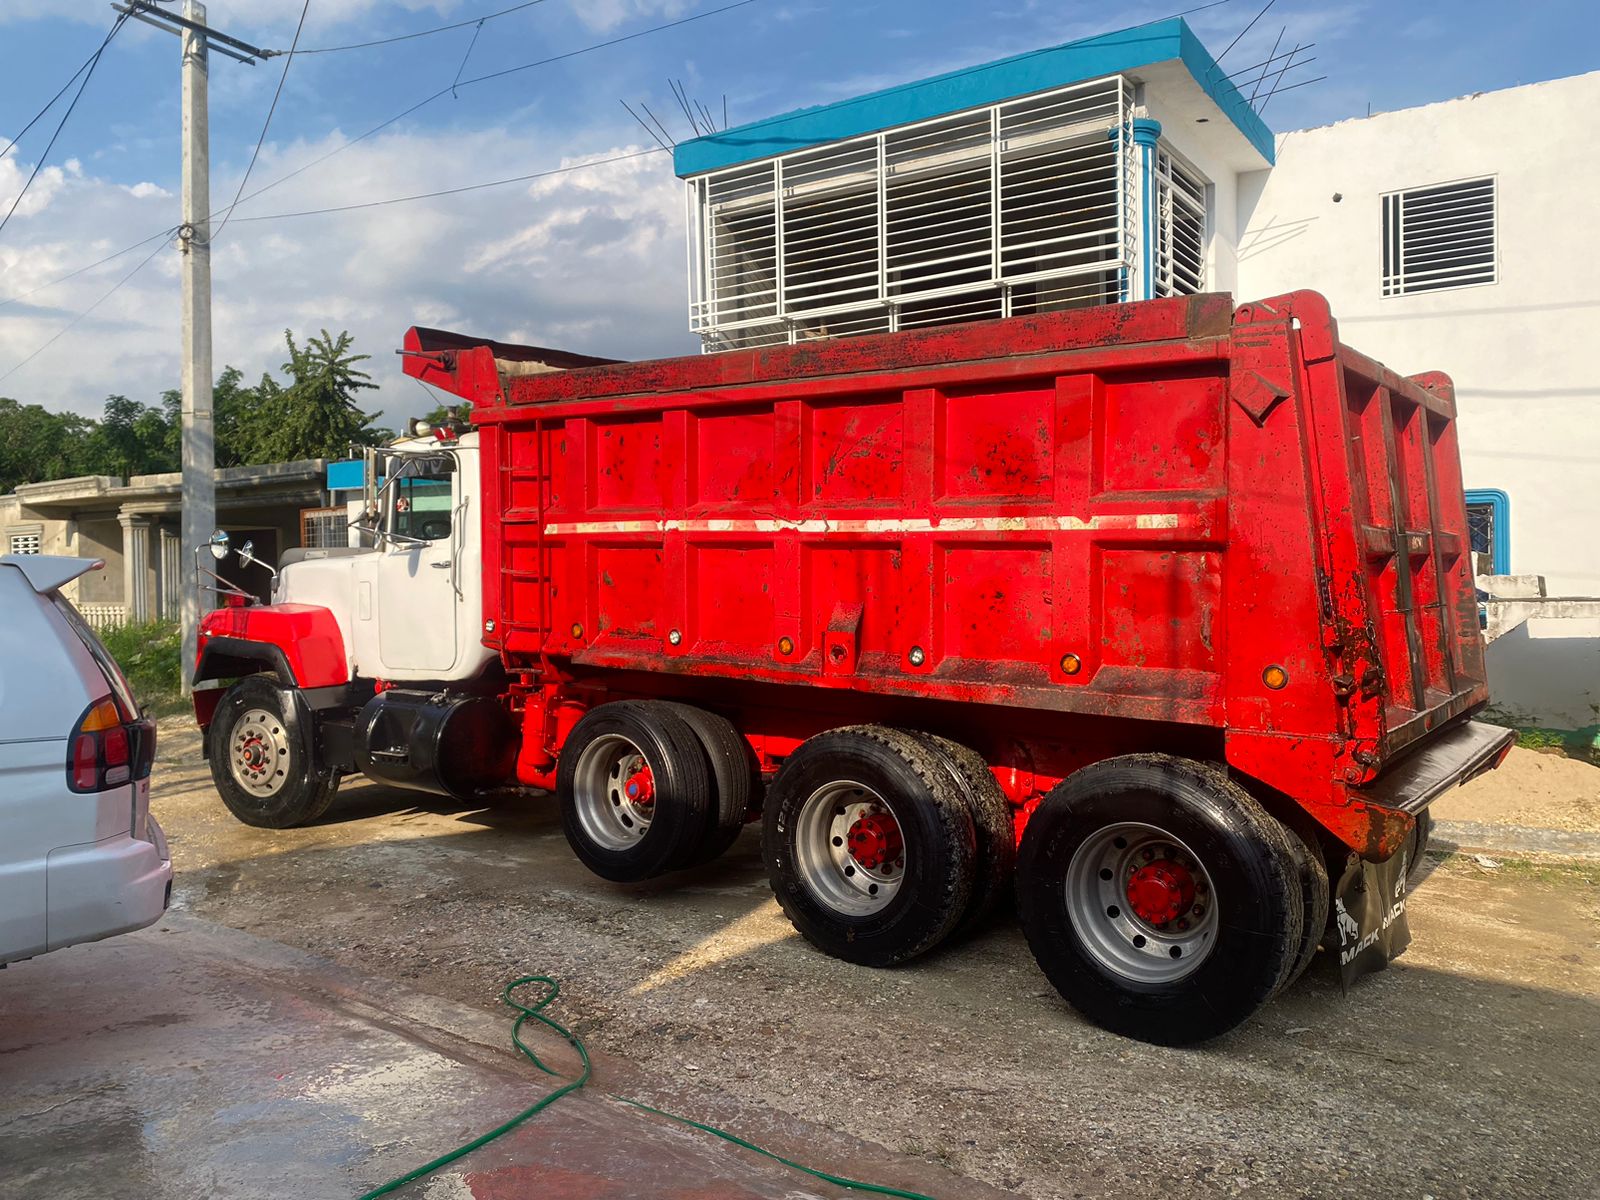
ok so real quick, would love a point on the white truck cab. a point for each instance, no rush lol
(81, 856)
(408, 597)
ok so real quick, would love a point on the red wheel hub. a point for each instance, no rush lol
(874, 840)
(254, 755)
(640, 787)
(1160, 891)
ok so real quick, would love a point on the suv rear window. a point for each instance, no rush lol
(102, 656)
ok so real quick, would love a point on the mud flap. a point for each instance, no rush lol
(1369, 916)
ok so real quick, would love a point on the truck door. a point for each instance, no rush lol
(418, 593)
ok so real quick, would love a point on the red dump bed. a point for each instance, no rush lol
(1176, 511)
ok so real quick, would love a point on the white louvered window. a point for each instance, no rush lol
(1011, 208)
(1439, 237)
(1180, 252)
(27, 543)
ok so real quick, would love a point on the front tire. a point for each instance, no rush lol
(1159, 898)
(260, 750)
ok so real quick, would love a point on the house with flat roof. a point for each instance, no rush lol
(1127, 166)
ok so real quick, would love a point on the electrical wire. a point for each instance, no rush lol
(106, 296)
(421, 33)
(535, 1012)
(442, 92)
(379, 128)
(88, 74)
(52, 103)
(265, 125)
(167, 232)
(456, 191)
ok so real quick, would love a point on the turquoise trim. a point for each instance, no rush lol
(975, 87)
(1500, 506)
(1146, 133)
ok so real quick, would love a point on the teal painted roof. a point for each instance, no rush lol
(975, 87)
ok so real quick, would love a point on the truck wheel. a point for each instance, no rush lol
(1312, 870)
(996, 856)
(869, 845)
(261, 757)
(1417, 846)
(1159, 898)
(735, 780)
(635, 790)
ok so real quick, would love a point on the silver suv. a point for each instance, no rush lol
(81, 857)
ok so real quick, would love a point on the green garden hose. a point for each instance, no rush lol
(535, 1011)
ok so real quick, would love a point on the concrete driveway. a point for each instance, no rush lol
(196, 1061)
(1466, 1070)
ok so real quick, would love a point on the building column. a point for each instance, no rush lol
(1146, 133)
(169, 581)
(135, 567)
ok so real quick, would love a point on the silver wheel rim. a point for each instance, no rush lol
(258, 753)
(613, 792)
(1113, 875)
(849, 848)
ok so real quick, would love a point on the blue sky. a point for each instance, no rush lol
(590, 260)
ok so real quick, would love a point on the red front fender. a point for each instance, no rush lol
(300, 642)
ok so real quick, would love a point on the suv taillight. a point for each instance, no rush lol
(108, 750)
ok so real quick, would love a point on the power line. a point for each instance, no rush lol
(167, 232)
(60, 333)
(265, 125)
(456, 191)
(542, 62)
(422, 33)
(378, 129)
(40, 114)
(88, 74)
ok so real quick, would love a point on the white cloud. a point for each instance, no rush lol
(608, 14)
(146, 189)
(590, 260)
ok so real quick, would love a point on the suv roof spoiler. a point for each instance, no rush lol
(48, 572)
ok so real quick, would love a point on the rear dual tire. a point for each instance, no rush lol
(1160, 898)
(647, 787)
(869, 843)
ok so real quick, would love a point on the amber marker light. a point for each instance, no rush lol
(1275, 677)
(1071, 664)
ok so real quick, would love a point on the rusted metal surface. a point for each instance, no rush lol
(1150, 517)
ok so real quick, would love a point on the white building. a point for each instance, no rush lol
(1463, 237)
(1458, 237)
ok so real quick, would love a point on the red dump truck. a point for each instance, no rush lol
(1160, 614)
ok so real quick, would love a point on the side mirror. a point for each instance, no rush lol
(219, 545)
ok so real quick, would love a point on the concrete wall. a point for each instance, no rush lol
(1519, 349)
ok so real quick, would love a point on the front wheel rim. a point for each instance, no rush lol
(258, 753)
(613, 792)
(1142, 903)
(849, 848)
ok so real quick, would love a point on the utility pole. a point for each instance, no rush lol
(199, 501)
(194, 243)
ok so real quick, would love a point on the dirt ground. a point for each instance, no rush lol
(1465, 1070)
(1545, 791)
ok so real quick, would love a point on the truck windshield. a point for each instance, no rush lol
(422, 504)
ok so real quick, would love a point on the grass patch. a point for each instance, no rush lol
(151, 657)
(1551, 871)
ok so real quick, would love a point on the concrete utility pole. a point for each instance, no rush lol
(194, 243)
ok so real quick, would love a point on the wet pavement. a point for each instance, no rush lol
(193, 1060)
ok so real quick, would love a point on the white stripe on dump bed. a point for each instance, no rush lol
(872, 525)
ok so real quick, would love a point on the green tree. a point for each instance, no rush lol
(38, 444)
(131, 439)
(316, 416)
